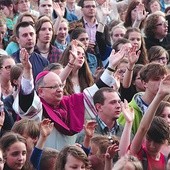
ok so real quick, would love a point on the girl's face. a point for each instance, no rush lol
(84, 38)
(16, 155)
(166, 114)
(7, 10)
(6, 67)
(1, 161)
(163, 60)
(135, 39)
(81, 57)
(73, 163)
(62, 32)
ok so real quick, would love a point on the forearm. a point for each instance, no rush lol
(125, 139)
(127, 79)
(41, 142)
(86, 142)
(57, 24)
(108, 164)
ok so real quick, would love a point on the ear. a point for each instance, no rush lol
(17, 40)
(11, 7)
(40, 92)
(144, 84)
(15, 82)
(98, 106)
(35, 140)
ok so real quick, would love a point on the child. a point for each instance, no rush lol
(72, 156)
(14, 148)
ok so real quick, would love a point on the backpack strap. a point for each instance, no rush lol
(144, 160)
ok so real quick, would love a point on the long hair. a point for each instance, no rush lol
(84, 74)
(143, 55)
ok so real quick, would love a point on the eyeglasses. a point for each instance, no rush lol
(163, 59)
(55, 87)
(89, 6)
(83, 39)
(164, 23)
(8, 67)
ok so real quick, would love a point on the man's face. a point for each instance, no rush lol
(111, 108)
(152, 85)
(89, 9)
(23, 6)
(51, 91)
(46, 7)
(27, 37)
(45, 33)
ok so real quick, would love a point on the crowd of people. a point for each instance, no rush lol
(84, 84)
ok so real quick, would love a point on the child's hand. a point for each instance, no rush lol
(111, 151)
(89, 128)
(46, 128)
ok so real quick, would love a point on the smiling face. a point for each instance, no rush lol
(16, 155)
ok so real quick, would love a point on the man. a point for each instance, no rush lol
(67, 112)
(26, 37)
(44, 31)
(151, 76)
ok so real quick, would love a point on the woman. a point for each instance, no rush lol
(135, 37)
(13, 146)
(158, 54)
(6, 63)
(80, 77)
(72, 157)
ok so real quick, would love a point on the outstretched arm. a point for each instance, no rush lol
(146, 121)
(125, 137)
(133, 57)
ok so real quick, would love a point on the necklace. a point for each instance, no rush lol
(44, 52)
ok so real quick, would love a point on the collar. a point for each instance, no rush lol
(105, 128)
(86, 23)
(61, 46)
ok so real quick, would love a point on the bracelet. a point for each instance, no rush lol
(110, 69)
(101, 23)
(129, 69)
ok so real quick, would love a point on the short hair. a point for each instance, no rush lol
(99, 95)
(81, 2)
(75, 151)
(150, 24)
(15, 73)
(121, 163)
(151, 2)
(8, 139)
(117, 26)
(26, 14)
(53, 66)
(23, 25)
(155, 52)
(136, 70)
(152, 71)
(76, 32)
(30, 127)
(159, 130)
(48, 155)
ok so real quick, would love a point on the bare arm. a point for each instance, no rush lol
(149, 115)
(125, 137)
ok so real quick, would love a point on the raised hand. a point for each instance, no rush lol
(133, 55)
(115, 58)
(164, 86)
(141, 12)
(57, 9)
(89, 128)
(128, 112)
(24, 57)
(111, 151)
(46, 128)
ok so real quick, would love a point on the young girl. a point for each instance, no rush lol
(14, 148)
(135, 37)
(72, 157)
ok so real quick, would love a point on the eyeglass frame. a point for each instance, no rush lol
(55, 87)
